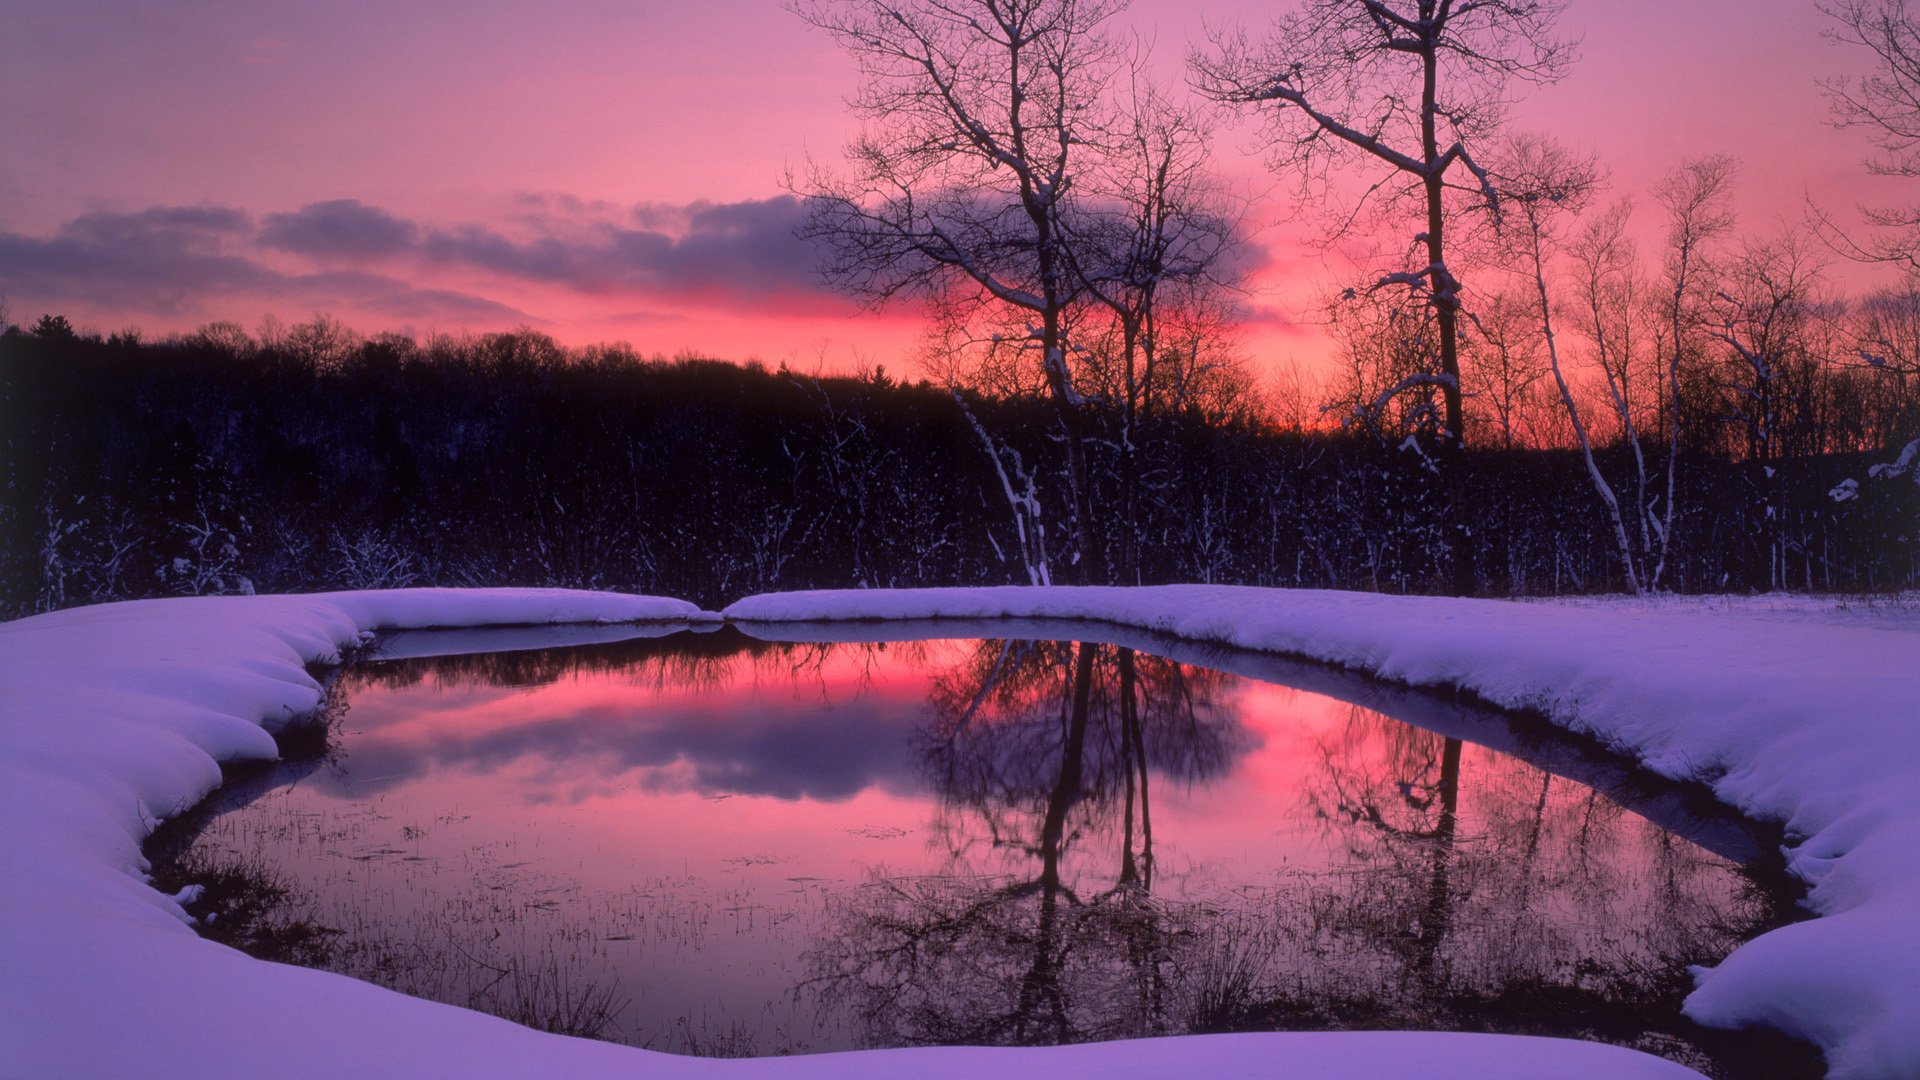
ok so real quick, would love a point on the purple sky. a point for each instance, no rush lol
(604, 170)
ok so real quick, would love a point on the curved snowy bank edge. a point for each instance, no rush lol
(1789, 717)
(115, 716)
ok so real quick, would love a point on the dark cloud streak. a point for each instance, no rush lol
(341, 228)
(170, 260)
(173, 260)
(744, 250)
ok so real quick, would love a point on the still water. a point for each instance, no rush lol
(714, 844)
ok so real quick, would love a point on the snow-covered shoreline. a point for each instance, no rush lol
(115, 716)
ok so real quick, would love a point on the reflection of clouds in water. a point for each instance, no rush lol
(373, 707)
(784, 751)
(603, 733)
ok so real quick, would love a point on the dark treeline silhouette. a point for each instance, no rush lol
(214, 463)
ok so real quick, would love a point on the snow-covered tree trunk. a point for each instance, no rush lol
(1541, 183)
(1023, 501)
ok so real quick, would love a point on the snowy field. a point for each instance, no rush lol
(114, 717)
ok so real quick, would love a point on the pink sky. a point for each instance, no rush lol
(603, 170)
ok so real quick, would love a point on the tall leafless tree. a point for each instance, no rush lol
(1505, 368)
(978, 113)
(1410, 87)
(1885, 103)
(1695, 198)
(1610, 310)
(1764, 315)
(1542, 184)
(1152, 245)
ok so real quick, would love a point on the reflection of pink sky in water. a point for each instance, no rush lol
(692, 839)
(677, 815)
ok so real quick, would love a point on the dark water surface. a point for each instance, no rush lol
(714, 844)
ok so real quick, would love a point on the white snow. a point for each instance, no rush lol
(115, 716)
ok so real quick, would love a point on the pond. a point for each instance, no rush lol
(717, 844)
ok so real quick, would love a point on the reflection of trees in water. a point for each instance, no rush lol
(1469, 890)
(1035, 747)
(684, 659)
(1042, 750)
(704, 661)
(1473, 877)
(1402, 804)
(964, 959)
(1476, 892)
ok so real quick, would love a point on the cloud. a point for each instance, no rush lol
(659, 263)
(742, 250)
(172, 260)
(542, 209)
(153, 260)
(403, 300)
(777, 748)
(179, 261)
(1250, 312)
(338, 229)
(178, 222)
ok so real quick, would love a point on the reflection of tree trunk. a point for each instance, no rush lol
(1129, 737)
(1585, 845)
(1026, 740)
(1131, 705)
(1040, 992)
(950, 737)
(1146, 813)
(1539, 823)
(1066, 789)
(1530, 851)
(1439, 912)
(1138, 920)
(1040, 995)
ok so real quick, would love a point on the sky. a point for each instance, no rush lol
(605, 171)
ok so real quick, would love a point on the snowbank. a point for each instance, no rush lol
(1806, 713)
(115, 716)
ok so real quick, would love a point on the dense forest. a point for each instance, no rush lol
(219, 463)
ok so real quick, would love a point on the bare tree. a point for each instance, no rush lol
(1152, 245)
(978, 112)
(1506, 367)
(325, 342)
(1412, 87)
(1886, 104)
(1763, 314)
(1607, 302)
(1886, 340)
(1542, 183)
(1612, 307)
(1695, 198)
(1384, 388)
